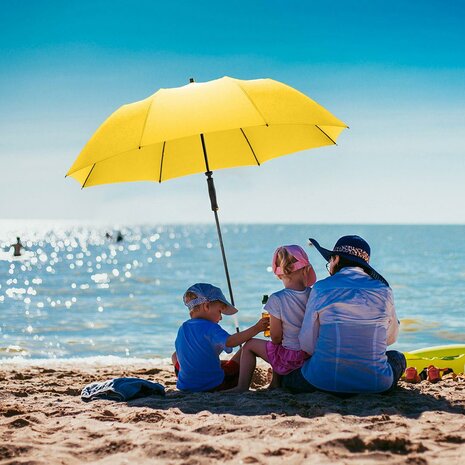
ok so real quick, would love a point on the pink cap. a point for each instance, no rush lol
(302, 261)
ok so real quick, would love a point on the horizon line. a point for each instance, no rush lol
(258, 223)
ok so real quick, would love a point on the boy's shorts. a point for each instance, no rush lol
(231, 375)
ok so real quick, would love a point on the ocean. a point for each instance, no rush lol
(78, 294)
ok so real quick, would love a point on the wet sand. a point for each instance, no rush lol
(44, 421)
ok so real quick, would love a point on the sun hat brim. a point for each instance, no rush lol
(324, 252)
(327, 254)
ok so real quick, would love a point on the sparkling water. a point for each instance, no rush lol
(77, 293)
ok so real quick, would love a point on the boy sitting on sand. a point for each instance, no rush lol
(201, 340)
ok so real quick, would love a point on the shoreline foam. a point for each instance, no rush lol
(96, 361)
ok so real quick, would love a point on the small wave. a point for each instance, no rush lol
(88, 362)
(13, 350)
(412, 325)
(451, 336)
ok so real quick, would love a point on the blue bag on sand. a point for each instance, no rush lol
(121, 389)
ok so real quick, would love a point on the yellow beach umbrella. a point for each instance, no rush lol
(203, 127)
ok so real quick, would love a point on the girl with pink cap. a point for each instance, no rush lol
(287, 308)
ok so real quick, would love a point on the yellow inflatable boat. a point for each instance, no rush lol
(449, 356)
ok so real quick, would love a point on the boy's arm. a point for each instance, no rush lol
(239, 338)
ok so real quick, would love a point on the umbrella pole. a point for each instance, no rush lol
(215, 208)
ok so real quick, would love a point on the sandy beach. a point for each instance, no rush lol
(44, 421)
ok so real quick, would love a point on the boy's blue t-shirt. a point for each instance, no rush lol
(198, 346)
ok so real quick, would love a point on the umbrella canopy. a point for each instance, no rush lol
(202, 127)
(241, 123)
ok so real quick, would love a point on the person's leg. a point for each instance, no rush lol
(252, 349)
(398, 364)
(174, 360)
(296, 383)
(237, 357)
(275, 381)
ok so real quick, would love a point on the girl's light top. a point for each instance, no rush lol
(289, 306)
(349, 322)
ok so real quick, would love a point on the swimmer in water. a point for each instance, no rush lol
(17, 247)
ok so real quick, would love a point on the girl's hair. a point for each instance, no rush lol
(284, 260)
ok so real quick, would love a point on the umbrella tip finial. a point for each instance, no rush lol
(191, 80)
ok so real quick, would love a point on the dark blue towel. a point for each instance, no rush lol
(121, 389)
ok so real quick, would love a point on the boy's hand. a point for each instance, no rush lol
(243, 336)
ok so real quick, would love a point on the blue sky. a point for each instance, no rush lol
(393, 71)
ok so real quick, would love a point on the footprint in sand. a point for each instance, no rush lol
(72, 391)
(214, 430)
(147, 417)
(452, 438)
(12, 412)
(250, 459)
(19, 423)
(187, 452)
(281, 452)
(8, 451)
(152, 371)
(394, 444)
(112, 447)
(21, 376)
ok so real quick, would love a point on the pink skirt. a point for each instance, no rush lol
(284, 360)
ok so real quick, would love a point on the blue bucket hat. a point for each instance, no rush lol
(208, 293)
(355, 249)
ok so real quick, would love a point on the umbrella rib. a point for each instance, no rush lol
(154, 143)
(162, 158)
(252, 150)
(252, 103)
(88, 176)
(325, 134)
(145, 123)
